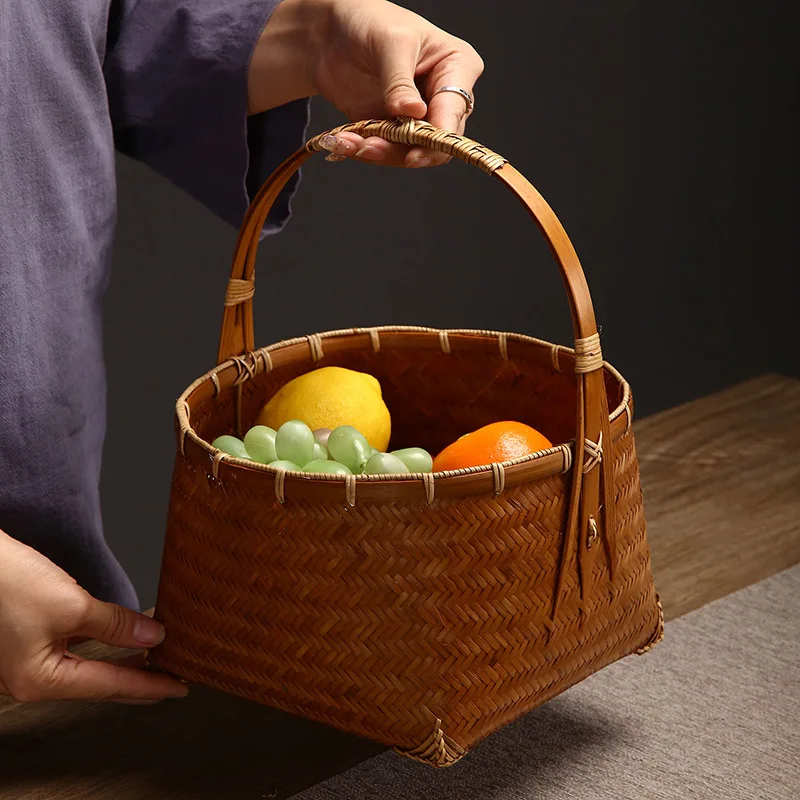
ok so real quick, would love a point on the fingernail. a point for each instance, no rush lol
(148, 632)
(370, 153)
(328, 142)
(419, 161)
(177, 696)
(337, 145)
(335, 157)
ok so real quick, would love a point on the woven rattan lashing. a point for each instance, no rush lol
(422, 611)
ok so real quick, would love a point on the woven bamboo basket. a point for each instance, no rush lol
(422, 611)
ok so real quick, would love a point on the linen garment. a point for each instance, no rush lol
(164, 81)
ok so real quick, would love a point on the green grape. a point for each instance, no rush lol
(415, 458)
(295, 442)
(321, 435)
(287, 465)
(320, 452)
(232, 446)
(347, 446)
(260, 444)
(374, 451)
(329, 467)
(385, 464)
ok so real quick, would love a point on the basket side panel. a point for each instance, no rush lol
(384, 618)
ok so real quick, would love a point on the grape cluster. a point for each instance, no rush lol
(341, 451)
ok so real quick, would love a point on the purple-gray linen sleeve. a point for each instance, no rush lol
(176, 76)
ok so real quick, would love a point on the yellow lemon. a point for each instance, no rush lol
(330, 397)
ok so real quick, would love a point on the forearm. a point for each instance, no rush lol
(6, 543)
(280, 70)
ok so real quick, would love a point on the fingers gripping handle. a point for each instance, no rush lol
(413, 132)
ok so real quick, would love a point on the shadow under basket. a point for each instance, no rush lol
(421, 611)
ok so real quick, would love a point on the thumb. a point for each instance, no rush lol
(120, 627)
(397, 68)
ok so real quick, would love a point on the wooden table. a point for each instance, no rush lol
(722, 493)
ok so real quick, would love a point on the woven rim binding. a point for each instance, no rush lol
(248, 366)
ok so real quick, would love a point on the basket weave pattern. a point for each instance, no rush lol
(422, 611)
(395, 619)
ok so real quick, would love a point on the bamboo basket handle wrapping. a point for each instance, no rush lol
(592, 488)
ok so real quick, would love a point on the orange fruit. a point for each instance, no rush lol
(500, 441)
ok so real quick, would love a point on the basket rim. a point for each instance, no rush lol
(247, 366)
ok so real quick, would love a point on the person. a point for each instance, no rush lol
(213, 95)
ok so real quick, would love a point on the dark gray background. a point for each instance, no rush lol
(660, 133)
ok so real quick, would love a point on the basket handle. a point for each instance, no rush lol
(592, 423)
(237, 327)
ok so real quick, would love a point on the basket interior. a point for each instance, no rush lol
(434, 397)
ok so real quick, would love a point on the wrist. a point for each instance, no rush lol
(281, 67)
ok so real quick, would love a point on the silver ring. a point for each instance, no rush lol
(458, 90)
